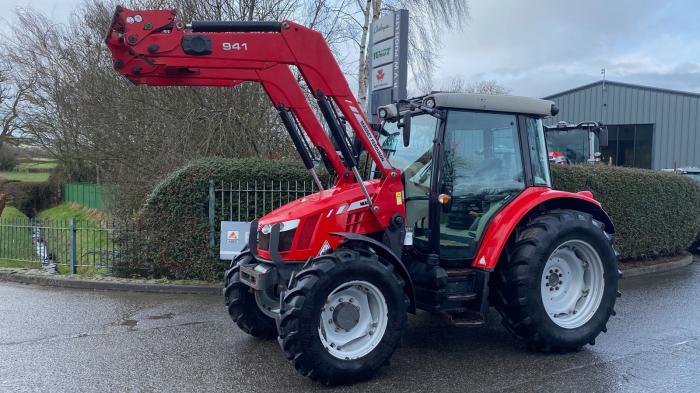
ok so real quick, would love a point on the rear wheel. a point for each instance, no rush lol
(248, 309)
(343, 316)
(558, 285)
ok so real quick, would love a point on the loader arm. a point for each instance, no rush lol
(153, 47)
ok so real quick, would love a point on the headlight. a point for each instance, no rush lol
(284, 226)
(387, 112)
(429, 102)
(289, 225)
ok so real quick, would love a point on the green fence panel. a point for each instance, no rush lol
(88, 195)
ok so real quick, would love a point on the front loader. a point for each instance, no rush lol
(454, 214)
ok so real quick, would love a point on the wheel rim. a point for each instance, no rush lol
(268, 304)
(353, 320)
(572, 284)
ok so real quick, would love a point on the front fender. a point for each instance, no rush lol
(542, 198)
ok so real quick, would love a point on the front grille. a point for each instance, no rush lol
(263, 241)
(285, 240)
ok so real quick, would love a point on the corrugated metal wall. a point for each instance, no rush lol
(675, 116)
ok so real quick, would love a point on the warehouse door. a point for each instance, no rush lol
(629, 145)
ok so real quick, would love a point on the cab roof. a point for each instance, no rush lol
(495, 103)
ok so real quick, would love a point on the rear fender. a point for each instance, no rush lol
(533, 200)
(353, 240)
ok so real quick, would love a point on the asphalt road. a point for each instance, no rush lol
(75, 340)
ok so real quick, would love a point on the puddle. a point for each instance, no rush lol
(129, 323)
(164, 316)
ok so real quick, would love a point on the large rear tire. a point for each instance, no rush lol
(557, 287)
(342, 317)
(241, 303)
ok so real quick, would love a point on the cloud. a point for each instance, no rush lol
(540, 47)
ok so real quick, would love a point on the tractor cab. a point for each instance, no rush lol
(463, 157)
(576, 143)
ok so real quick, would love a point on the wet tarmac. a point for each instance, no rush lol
(56, 340)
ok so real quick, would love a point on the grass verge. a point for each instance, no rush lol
(35, 166)
(25, 176)
(15, 237)
(94, 244)
(9, 263)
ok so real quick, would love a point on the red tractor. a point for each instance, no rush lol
(455, 213)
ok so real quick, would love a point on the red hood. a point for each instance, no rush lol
(338, 209)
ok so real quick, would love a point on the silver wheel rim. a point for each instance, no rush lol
(353, 320)
(269, 305)
(572, 284)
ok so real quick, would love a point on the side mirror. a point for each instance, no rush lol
(603, 136)
(406, 125)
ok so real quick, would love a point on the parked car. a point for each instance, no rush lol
(693, 173)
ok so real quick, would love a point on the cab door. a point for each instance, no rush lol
(481, 170)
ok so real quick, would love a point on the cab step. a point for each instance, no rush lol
(462, 297)
(459, 272)
(465, 319)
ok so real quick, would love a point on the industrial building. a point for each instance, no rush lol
(648, 127)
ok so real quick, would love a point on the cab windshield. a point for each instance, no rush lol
(414, 160)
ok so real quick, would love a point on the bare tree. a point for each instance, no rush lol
(91, 119)
(12, 98)
(429, 19)
(459, 85)
(72, 103)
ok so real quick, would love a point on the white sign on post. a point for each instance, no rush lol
(383, 77)
(383, 28)
(383, 53)
(388, 60)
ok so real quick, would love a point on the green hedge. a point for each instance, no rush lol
(31, 197)
(173, 225)
(655, 214)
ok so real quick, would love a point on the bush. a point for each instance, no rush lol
(655, 213)
(173, 225)
(31, 197)
(8, 157)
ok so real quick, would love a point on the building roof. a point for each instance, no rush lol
(622, 84)
(495, 103)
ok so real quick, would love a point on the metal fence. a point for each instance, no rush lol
(89, 195)
(69, 245)
(246, 201)
(84, 246)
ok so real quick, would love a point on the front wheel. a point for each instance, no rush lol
(343, 316)
(248, 308)
(558, 285)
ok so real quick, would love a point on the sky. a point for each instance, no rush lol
(541, 47)
(58, 10)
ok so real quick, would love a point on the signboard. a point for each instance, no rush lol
(382, 53)
(382, 77)
(388, 61)
(234, 237)
(383, 28)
